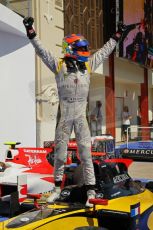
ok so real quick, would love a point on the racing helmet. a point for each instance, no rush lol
(76, 46)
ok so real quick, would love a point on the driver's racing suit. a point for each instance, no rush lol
(73, 88)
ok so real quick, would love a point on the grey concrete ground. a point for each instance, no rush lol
(141, 170)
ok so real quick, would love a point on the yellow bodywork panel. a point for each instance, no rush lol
(150, 222)
(69, 223)
(72, 219)
(61, 221)
(123, 203)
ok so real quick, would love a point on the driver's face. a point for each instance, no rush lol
(83, 48)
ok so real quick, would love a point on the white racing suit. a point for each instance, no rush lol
(73, 88)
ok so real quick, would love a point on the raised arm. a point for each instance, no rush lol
(46, 56)
(102, 54)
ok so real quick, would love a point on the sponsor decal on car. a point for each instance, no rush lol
(120, 178)
(34, 151)
(138, 151)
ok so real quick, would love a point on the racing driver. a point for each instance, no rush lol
(72, 74)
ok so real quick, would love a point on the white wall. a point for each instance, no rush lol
(49, 25)
(17, 82)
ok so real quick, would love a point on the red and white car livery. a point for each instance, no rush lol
(31, 162)
(37, 163)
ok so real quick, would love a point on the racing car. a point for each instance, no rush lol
(38, 163)
(28, 161)
(137, 150)
(29, 170)
(120, 202)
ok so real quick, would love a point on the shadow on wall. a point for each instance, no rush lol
(11, 42)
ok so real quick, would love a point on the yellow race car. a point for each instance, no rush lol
(120, 203)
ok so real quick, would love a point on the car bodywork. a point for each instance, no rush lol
(29, 170)
(136, 150)
(37, 163)
(31, 162)
(120, 203)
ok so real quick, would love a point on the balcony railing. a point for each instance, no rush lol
(139, 133)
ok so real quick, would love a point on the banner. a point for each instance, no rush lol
(137, 44)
